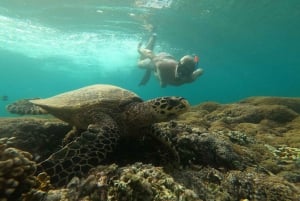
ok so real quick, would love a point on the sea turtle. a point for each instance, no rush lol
(100, 114)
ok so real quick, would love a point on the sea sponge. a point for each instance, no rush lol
(16, 171)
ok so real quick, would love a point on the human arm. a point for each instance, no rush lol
(196, 74)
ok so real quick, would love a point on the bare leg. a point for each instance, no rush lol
(151, 42)
(145, 59)
(147, 52)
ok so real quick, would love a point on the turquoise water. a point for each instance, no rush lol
(246, 48)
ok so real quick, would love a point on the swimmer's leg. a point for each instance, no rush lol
(151, 42)
(145, 61)
(148, 50)
(146, 64)
(145, 78)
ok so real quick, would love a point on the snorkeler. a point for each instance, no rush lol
(166, 68)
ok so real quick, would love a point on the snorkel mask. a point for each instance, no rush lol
(186, 66)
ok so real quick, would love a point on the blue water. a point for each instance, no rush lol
(246, 48)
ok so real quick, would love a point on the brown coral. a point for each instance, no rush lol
(218, 144)
(38, 136)
(254, 186)
(16, 171)
(112, 183)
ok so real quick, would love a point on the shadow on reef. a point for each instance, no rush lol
(247, 150)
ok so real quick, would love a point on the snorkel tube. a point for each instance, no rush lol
(196, 60)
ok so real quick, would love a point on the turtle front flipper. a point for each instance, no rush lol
(164, 136)
(24, 106)
(85, 152)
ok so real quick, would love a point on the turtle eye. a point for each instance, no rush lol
(173, 102)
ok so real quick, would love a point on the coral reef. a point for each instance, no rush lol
(112, 183)
(213, 184)
(253, 186)
(292, 103)
(248, 150)
(16, 171)
(39, 136)
(199, 147)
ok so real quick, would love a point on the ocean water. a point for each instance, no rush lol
(246, 48)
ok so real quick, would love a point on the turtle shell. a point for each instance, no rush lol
(80, 106)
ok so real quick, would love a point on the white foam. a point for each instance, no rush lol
(102, 51)
(154, 3)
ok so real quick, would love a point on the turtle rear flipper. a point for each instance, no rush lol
(86, 151)
(24, 106)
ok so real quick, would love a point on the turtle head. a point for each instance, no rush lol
(166, 108)
(156, 110)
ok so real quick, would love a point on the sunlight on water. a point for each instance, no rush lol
(105, 50)
(154, 3)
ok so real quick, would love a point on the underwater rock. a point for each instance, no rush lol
(16, 171)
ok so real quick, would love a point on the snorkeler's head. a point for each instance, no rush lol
(186, 66)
